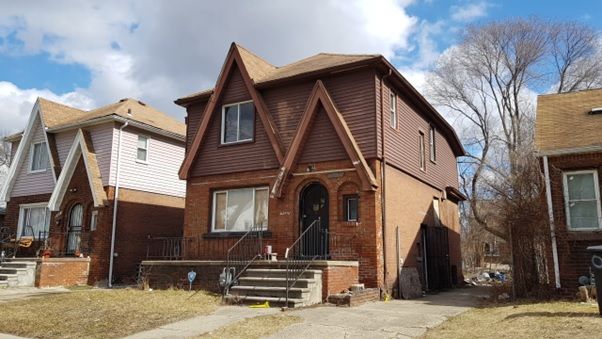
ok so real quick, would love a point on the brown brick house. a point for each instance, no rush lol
(95, 184)
(569, 141)
(343, 138)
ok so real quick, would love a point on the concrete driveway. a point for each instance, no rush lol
(392, 319)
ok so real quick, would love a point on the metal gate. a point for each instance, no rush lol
(437, 266)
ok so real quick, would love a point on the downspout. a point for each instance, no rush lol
(115, 203)
(546, 171)
(382, 177)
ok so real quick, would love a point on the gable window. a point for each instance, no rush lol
(238, 122)
(238, 210)
(582, 200)
(393, 108)
(421, 150)
(432, 144)
(34, 221)
(351, 208)
(142, 153)
(39, 157)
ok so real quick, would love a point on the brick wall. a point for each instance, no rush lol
(62, 272)
(336, 279)
(359, 241)
(574, 261)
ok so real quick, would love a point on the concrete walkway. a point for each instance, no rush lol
(392, 319)
(225, 315)
(396, 318)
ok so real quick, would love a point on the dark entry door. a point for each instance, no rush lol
(314, 206)
(438, 275)
(75, 228)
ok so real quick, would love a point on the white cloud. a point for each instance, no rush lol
(469, 12)
(170, 49)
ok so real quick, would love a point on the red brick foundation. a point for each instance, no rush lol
(62, 272)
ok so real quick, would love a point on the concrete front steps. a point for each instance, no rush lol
(258, 285)
(17, 273)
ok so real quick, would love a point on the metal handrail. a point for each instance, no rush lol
(241, 255)
(298, 260)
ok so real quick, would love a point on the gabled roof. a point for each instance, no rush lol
(565, 123)
(81, 147)
(319, 97)
(57, 116)
(265, 75)
(235, 59)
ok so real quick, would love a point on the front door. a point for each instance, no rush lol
(75, 228)
(314, 211)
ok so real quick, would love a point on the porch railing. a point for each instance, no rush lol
(311, 245)
(241, 255)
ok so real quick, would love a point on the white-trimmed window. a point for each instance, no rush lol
(582, 200)
(238, 122)
(93, 220)
(39, 157)
(142, 148)
(421, 150)
(351, 207)
(436, 215)
(433, 144)
(238, 210)
(34, 220)
(393, 109)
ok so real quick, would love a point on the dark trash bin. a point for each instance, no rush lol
(597, 269)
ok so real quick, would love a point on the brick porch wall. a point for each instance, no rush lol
(574, 260)
(62, 272)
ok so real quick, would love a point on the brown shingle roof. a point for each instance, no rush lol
(262, 72)
(564, 121)
(56, 115)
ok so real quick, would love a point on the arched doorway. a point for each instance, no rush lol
(76, 217)
(313, 205)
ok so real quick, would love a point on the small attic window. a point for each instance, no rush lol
(596, 110)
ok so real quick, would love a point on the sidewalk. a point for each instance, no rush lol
(225, 315)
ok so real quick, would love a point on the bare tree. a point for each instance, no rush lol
(490, 80)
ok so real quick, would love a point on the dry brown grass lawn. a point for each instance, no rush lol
(253, 328)
(535, 320)
(99, 313)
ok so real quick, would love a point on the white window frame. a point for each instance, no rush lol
(31, 155)
(436, 211)
(393, 110)
(148, 139)
(433, 144)
(422, 151)
(214, 214)
(357, 213)
(93, 221)
(223, 127)
(24, 207)
(565, 175)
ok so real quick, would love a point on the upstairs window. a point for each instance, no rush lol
(39, 157)
(238, 122)
(393, 108)
(421, 150)
(238, 210)
(432, 144)
(582, 200)
(142, 153)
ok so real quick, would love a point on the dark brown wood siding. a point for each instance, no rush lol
(195, 113)
(402, 144)
(322, 142)
(214, 158)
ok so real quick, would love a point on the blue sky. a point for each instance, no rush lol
(92, 53)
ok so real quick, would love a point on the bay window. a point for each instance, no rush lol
(582, 200)
(238, 210)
